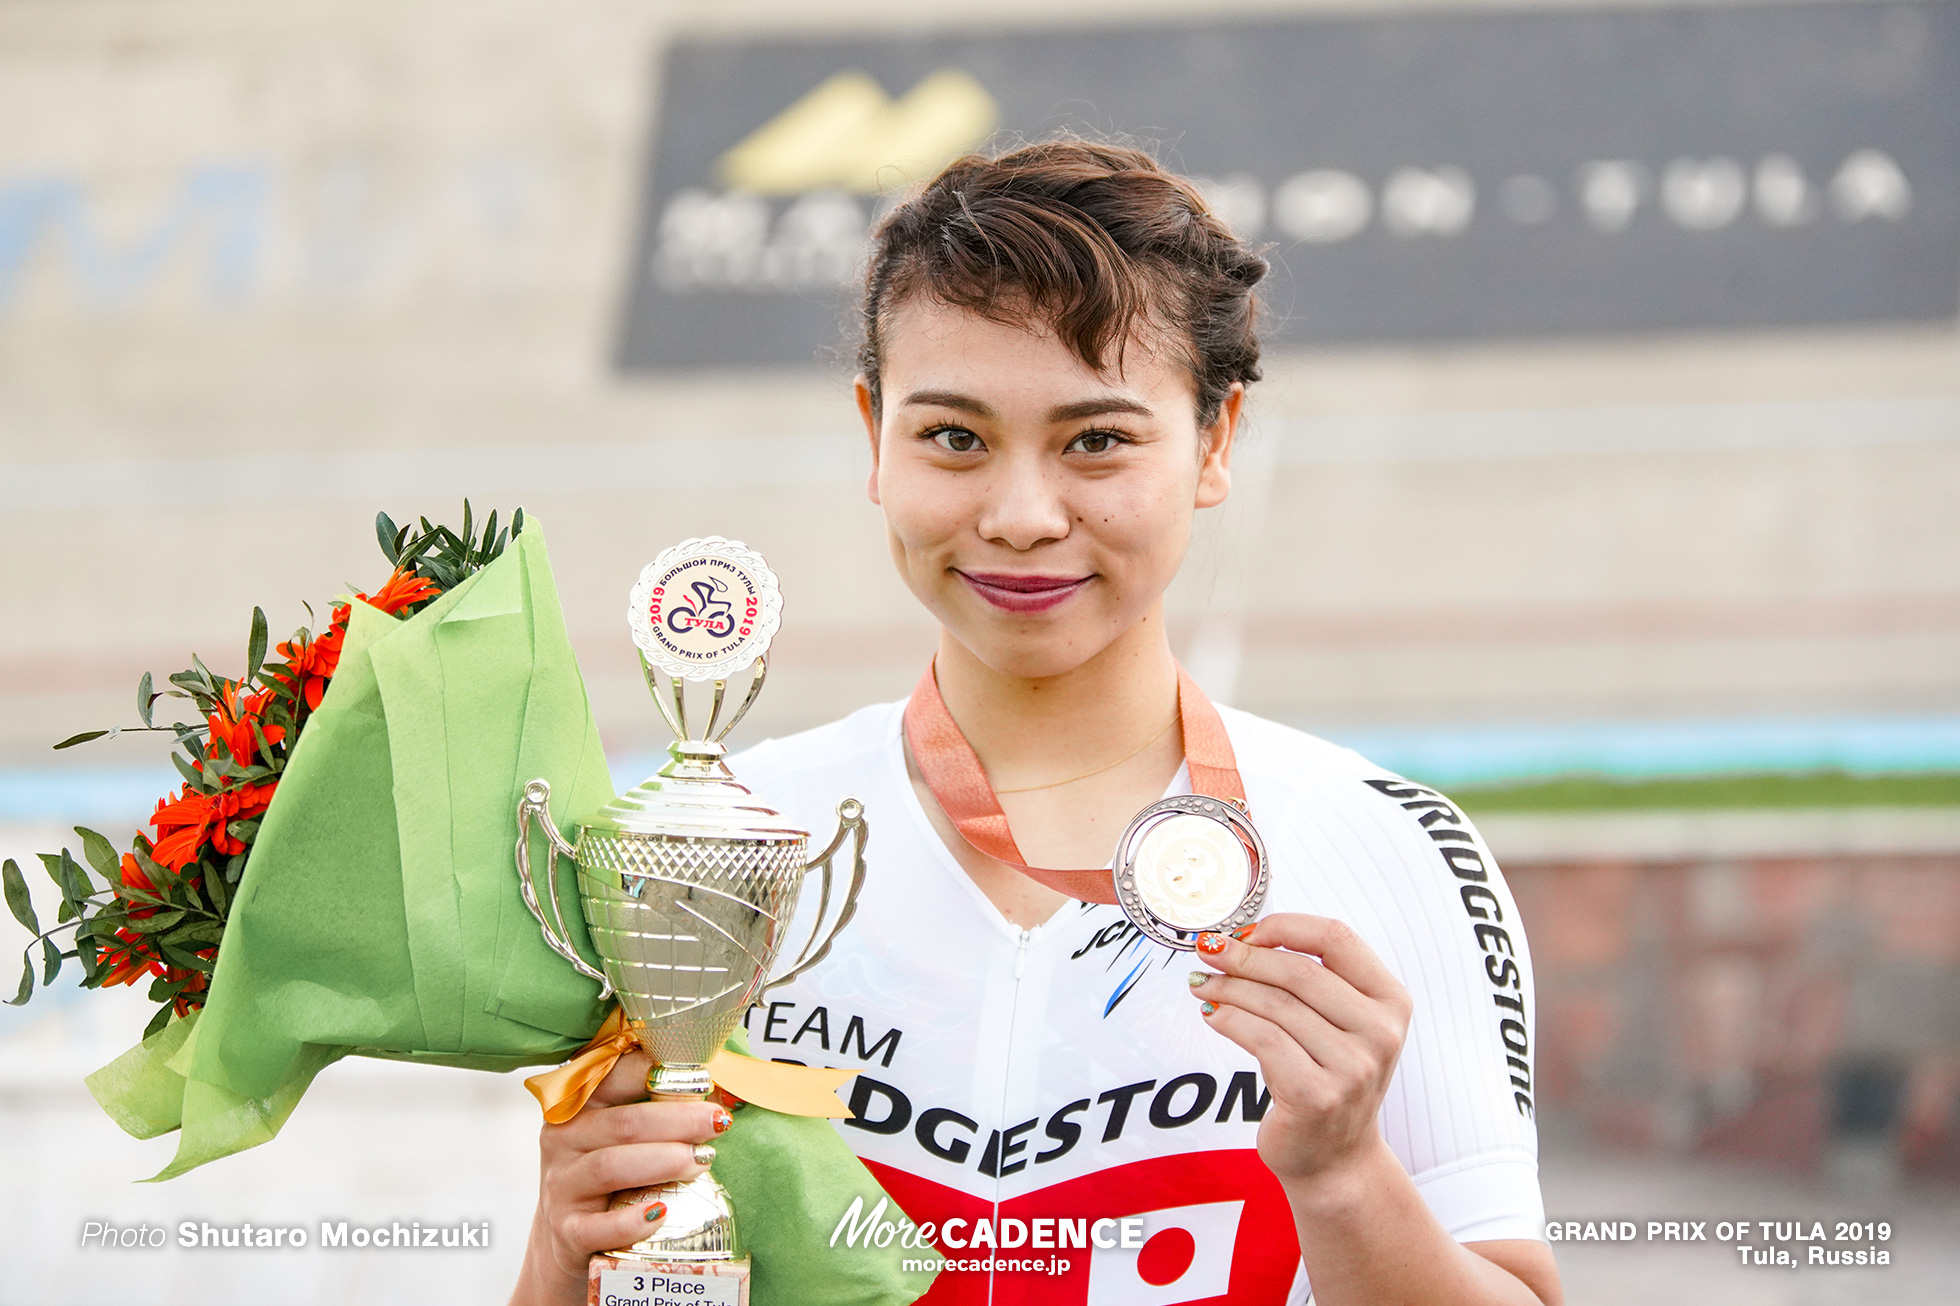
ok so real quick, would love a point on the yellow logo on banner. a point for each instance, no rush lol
(849, 135)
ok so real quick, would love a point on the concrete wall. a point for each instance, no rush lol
(310, 260)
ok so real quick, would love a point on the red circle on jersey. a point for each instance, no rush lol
(1166, 1257)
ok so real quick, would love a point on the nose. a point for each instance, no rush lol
(1024, 504)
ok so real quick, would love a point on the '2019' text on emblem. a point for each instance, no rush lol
(705, 609)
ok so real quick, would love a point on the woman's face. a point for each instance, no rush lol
(1037, 507)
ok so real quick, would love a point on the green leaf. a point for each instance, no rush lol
(18, 901)
(192, 776)
(101, 855)
(50, 962)
(146, 697)
(156, 924)
(185, 959)
(214, 889)
(158, 1021)
(165, 879)
(198, 932)
(255, 655)
(85, 953)
(26, 982)
(85, 737)
(517, 523)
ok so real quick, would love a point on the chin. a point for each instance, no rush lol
(1050, 649)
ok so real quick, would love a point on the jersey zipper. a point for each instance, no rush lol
(1023, 941)
(1021, 957)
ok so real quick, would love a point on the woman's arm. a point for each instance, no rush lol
(619, 1141)
(1327, 1034)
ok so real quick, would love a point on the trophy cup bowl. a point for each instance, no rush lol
(688, 882)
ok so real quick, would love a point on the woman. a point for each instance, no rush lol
(1056, 348)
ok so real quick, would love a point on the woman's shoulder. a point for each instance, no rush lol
(861, 740)
(1282, 755)
(1292, 770)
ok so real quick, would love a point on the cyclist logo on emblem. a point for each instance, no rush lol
(705, 609)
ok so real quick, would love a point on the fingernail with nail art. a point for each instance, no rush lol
(1243, 931)
(722, 1121)
(1211, 943)
(656, 1211)
(1198, 977)
(1207, 1008)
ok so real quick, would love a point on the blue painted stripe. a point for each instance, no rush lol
(1485, 754)
(1445, 755)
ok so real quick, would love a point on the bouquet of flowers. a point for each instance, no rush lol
(336, 876)
(163, 909)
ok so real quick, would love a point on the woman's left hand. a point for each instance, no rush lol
(1326, 1020)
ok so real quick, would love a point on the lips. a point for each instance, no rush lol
(1022, 592)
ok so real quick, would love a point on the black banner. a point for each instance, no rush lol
(1427, 177)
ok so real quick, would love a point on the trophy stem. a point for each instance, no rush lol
(695, 1242)
(680, 1080)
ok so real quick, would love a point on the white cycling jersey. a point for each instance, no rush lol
(1028, 1091)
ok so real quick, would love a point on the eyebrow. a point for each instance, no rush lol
(1059, 413)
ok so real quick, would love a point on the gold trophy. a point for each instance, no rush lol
(689, 885)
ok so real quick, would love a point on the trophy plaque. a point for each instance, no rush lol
(689, 885)
(1190, 865)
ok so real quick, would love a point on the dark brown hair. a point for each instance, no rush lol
(1096, 240)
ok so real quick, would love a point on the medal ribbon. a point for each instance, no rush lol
(952, 771)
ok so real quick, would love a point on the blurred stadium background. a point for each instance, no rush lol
(1605, 474)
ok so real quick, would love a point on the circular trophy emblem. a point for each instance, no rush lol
(705, 609)
(1188, 865)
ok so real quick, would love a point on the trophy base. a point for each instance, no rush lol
(627, 1279)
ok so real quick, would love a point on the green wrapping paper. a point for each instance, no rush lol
(380, 916)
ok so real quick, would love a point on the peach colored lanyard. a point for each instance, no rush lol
(953, 772)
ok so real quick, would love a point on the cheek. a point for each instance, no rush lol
(1145, 520)
(922, 509)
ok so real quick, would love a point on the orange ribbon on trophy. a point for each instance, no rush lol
(772, 1085)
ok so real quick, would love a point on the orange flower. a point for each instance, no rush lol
(185, 824)
(192, 994)
(231, 724)
(311, 662)
(134, 878)
(132, 960)
(404, 589)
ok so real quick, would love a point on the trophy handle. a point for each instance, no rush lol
(850, 821)
(536, 803)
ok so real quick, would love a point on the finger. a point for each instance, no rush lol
(645, 1122)
(1318, 1037)
(1281, 1059)
(1336, 944)
(632, 1165)
(627, 1081)
(605, 1231)
(1301, 975)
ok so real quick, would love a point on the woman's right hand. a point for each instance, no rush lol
(619, 1140)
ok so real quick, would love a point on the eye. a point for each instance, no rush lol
(954, 439)
(1096, 441)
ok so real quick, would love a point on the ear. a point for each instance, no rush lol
(861, 389)
(1215, 444)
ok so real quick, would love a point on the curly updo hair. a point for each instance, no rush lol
(1094, 240)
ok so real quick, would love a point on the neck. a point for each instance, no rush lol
(1028, 730)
